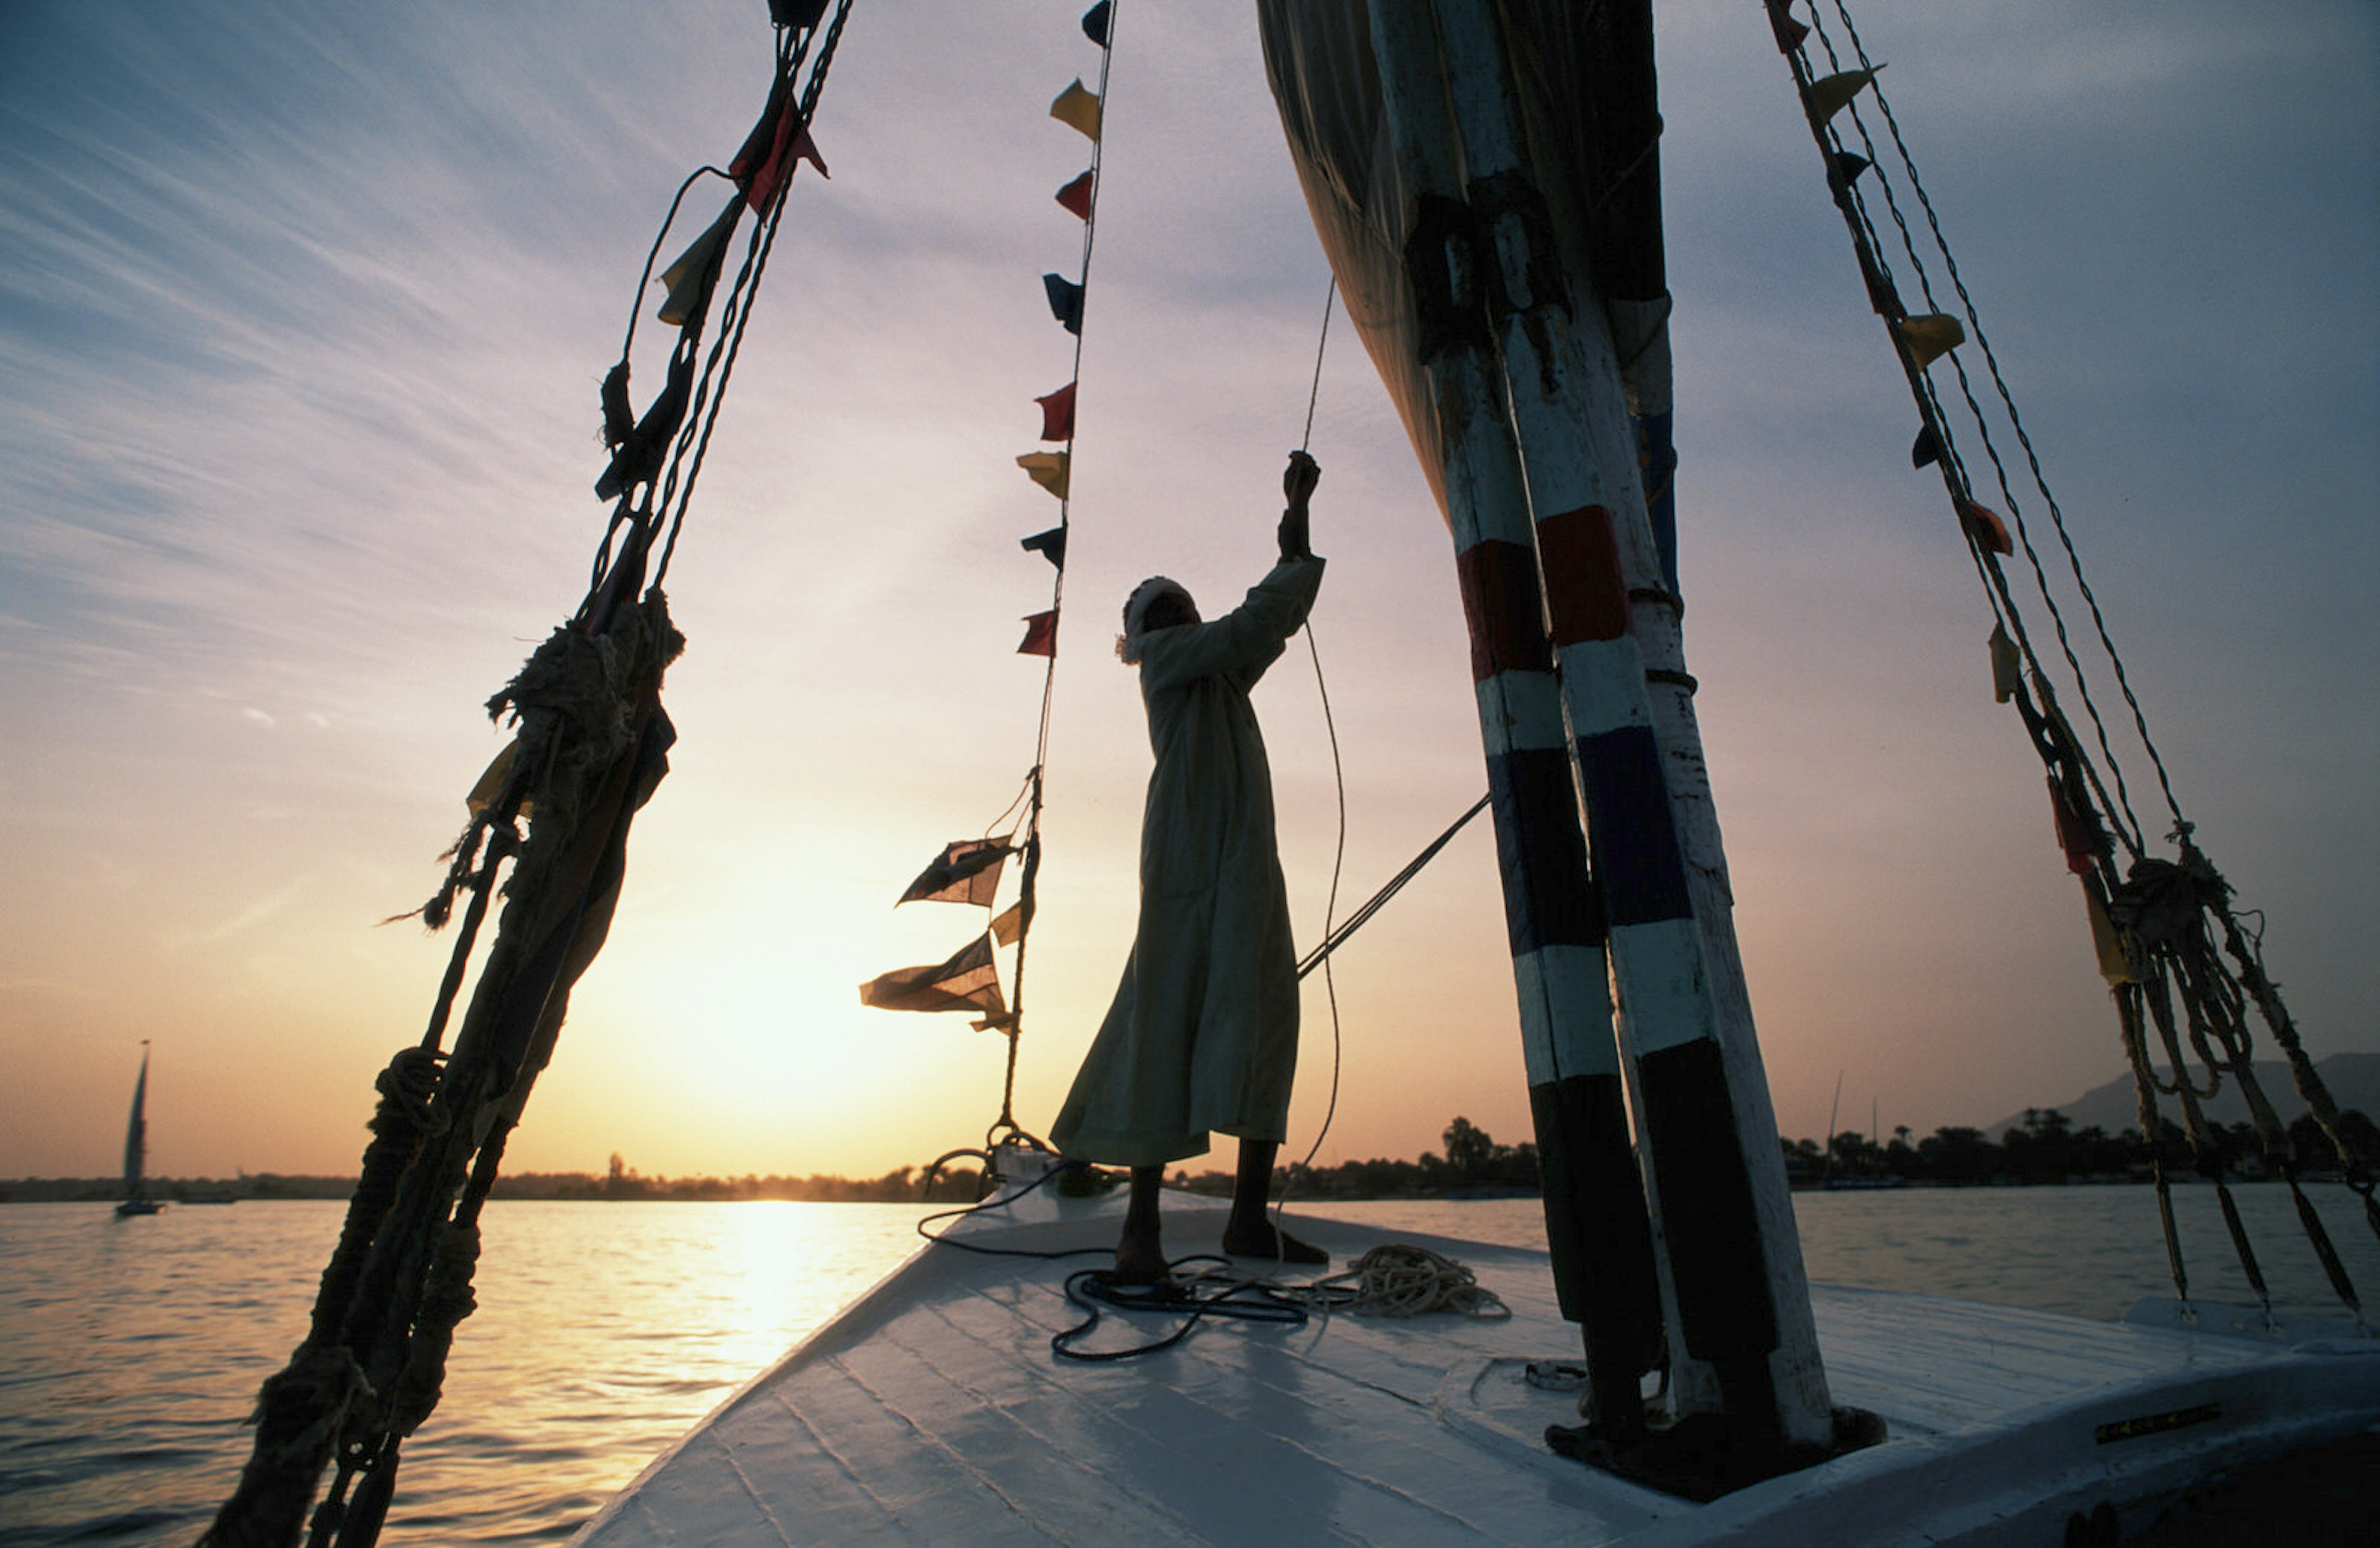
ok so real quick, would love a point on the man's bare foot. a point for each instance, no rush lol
(1275, 1246)
(1139, 1260)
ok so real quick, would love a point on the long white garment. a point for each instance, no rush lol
(1203, 1034)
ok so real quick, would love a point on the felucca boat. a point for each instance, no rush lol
(1483, 178)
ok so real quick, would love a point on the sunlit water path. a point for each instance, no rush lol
(130, 1350)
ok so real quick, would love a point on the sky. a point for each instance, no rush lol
(302, 313)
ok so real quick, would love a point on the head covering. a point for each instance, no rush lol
(1135, 615)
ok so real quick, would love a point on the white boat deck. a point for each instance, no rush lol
(932, 1411)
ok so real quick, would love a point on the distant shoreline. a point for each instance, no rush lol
(201, 1192)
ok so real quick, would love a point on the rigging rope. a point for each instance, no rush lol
(2158, 950)
(590, 745)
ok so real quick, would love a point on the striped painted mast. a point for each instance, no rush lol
(1597, 1224)
(1742, 1340)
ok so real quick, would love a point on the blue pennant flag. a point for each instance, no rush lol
(1065, 302)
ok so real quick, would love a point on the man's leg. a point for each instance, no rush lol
(1248, 1233)
(1140, 1255)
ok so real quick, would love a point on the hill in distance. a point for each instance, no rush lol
(2353, 1080)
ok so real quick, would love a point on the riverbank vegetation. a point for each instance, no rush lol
(2046, 1150)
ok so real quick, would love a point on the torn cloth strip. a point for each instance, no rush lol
(1065, 302)
(968, 871)
(1058, 413)
(1040, 635)
(967, 982)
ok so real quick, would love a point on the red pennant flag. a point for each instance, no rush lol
(2077, 834)
(1040, 635)
(1986, 526)
(1058, 413)
(1075, 198)
(771, 148)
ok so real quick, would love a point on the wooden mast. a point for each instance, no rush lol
(1741, 1340)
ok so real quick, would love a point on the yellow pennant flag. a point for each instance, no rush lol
(1832, 94)
(1077, 109)
(684, 277)
(1930, 337)
(1049, 469)
(2107, 941)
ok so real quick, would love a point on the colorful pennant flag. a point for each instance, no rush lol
(1832, 94)
(771, 148)
(1078, 109)
(1065, 302)
(1984, 526)
(1010, 926)
(967, 982)
(1927, 450)
(1099, 22)
(1051, 470)
(689, 278)
(1790, 32)
(2007, 665)
(2077, 835)
(1930, 337)
(1058, 413)
(1843, 168)
(1040, 635)
(1050, 545)
(2114, 965)
(966, 872)
(1075, 198)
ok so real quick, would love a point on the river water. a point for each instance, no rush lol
(130, 1349)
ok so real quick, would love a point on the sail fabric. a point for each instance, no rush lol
(968, 981)
(1202, 1035)
(1587, 100)
(968, 871)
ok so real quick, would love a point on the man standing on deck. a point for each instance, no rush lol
(1203, 1034)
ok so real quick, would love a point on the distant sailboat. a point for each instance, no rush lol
(136, 1146)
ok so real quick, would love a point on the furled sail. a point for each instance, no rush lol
(1588, 102)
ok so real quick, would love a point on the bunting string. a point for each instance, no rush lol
(970, 980)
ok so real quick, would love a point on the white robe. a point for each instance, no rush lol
(1203, 1034)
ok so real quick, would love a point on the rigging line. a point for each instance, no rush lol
(1974, 408)
(1315, 394)
(1034, 781)
(734, 320)
(1339, 781)
(2016, 422)
(1395, 884)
